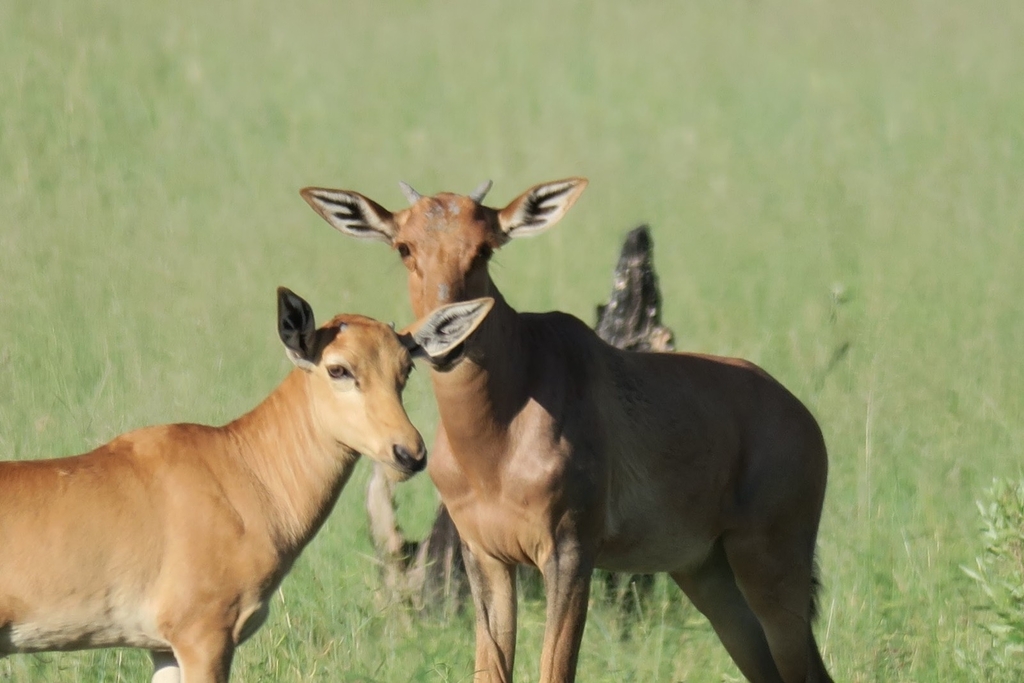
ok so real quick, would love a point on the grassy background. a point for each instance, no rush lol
(818, 177)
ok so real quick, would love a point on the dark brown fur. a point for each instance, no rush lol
(560, 451)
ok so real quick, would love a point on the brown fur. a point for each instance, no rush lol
(560, 451)
(173, 538)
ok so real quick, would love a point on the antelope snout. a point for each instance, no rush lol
(409, 461)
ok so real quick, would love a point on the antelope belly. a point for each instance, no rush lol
(78, 631)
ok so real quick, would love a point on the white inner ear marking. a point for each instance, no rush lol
(544, 202)
(540, 207)
(351, 213)
(299, 361)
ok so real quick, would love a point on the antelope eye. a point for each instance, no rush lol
(403, 250)
(339, 372)
(484, 252)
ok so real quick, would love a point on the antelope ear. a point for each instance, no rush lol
(440, 332)
(540, 207)
(296, 327)
(352, 213)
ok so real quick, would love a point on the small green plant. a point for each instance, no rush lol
(999, 573)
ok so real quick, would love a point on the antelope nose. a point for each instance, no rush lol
(408, 461)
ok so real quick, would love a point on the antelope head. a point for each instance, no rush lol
(446, 241)
(358, 368)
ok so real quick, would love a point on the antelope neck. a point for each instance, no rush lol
(298, 467)
(478, 398)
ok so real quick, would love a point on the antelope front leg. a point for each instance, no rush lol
(493, 585)
(165, 668)
(567, 585)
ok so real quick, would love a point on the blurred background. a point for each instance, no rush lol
(834, 191)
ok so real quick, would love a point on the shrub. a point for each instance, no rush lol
(999, 573)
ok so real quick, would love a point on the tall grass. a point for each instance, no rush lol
(835, 193)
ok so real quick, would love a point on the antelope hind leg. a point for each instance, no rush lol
(712, 589)
(776, 576)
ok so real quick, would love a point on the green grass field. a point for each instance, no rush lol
(818, 177)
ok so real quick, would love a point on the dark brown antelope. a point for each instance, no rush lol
(173, 538)
(561, 451)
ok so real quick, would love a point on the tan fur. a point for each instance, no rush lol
(173, 538)
(558, 450)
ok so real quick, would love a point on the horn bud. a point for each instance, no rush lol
(481, 191)
(412, 195)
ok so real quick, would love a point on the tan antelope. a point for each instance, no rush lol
(560, 451)
(173, 538)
